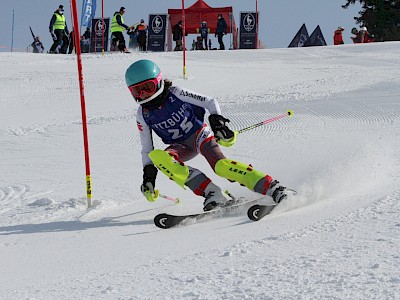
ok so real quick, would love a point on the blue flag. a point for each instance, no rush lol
(316, 38)
(300, 38)
(88, 11)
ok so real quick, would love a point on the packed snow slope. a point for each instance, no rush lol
(338, 239)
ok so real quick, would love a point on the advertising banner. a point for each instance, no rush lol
(98, 27)
(248, 30)
(88, 11)
(156, 32)
(300, 38)
(316, 38)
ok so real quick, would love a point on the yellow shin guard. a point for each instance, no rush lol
(239, 172)
(165, 163)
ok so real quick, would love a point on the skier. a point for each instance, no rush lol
(177, 116)
(37, 45)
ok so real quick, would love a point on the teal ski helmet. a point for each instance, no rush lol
(142, 71)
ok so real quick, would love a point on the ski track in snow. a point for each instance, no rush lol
(366, 264)
(339, 240)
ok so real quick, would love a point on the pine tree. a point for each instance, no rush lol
(381, 17)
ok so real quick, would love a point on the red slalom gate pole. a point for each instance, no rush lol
(83, 105)
(183, 38)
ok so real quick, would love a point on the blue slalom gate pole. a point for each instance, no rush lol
(12, 33)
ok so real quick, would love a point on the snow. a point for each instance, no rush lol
(339, 239)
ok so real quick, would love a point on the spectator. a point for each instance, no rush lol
(177, 35)
(357, 38)
(337, 37)
(141, 29)
(365, 36)
(85, 44)
(199, 43)
(133, 35)
(361, 36)
(85, 41)
(113, 46)
(117, 28)
(71, 43)
(204, 31)
(37, 45)
(87, 33)
(59, 31)
(221, 30)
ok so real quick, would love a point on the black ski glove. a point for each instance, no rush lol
(219, 127)
(149, 182)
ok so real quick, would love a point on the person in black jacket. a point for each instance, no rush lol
(59, 31)
(221, 30)
(177, 35)
(117, 29)
(141, 30)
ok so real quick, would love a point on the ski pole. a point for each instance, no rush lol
(151, 197)
(232, 141)
(289, 113)
(176, 200)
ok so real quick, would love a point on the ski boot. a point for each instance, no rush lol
(214, 197)
(278, 192)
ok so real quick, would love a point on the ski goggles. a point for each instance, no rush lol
(149, 87)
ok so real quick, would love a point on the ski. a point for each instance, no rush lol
(166, 221)
(257, 211)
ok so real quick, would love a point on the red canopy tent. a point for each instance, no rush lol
(201, 11)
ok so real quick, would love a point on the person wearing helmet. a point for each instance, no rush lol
(337, 37)
(177, 116)
(204, 31)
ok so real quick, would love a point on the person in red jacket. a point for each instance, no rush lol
(366, 37)
(357, 36)
(362, 36)
(337, 37)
